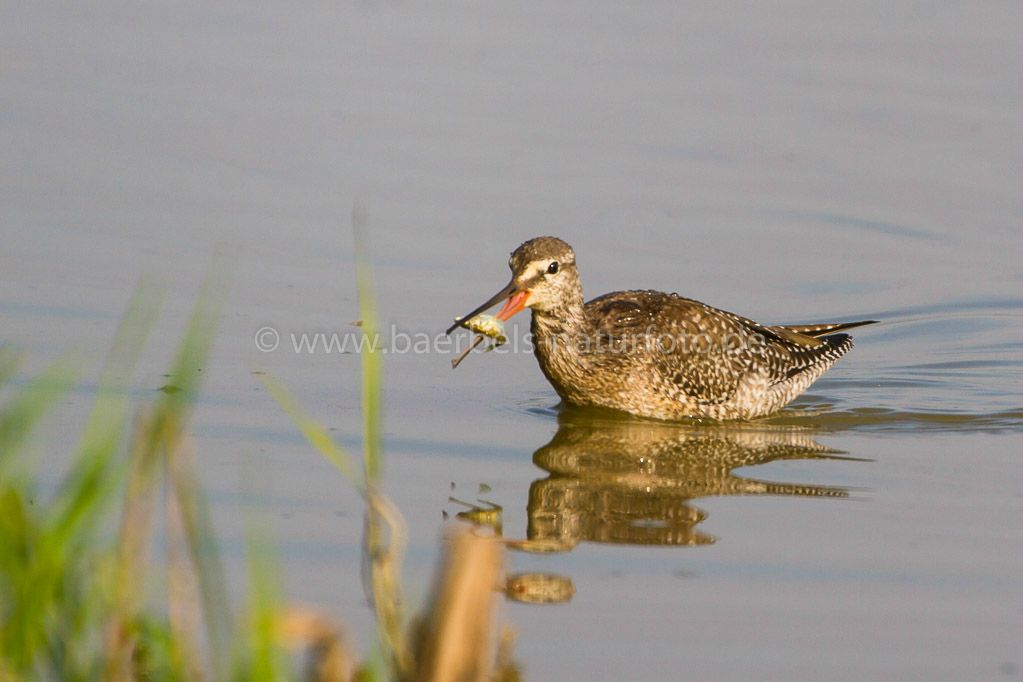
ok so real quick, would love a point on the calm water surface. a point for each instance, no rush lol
(792, 163)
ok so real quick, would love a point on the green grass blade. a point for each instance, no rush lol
(57, 608)
(265, 662)
(93, 478)
(372, 385)
(23, 623)
(171, 415)
(317, 434)
(20, 415)
(110, 410)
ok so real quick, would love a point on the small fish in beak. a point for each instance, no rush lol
(490, 325)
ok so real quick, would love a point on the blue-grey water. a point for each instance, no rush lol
(791, 162)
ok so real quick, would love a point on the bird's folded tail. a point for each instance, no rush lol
(816, 331)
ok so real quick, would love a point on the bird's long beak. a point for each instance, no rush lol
(514, 301)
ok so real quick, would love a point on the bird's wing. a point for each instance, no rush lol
(705, 351)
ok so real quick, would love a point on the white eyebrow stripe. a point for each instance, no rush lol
(536, 268)
(533, 270)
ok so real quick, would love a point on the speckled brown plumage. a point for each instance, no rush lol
(661, 355)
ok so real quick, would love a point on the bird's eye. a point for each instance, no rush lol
(552, 268)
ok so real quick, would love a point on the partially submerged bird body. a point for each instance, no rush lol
(659, 355)
(664, 356)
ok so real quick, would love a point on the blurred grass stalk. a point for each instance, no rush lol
(73, 598)
(162, 451)
(71, 601)
(451, 640)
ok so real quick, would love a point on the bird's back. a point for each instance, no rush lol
(672, 356)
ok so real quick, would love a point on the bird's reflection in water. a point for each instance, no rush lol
(628, 481)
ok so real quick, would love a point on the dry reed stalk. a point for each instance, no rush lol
(384, 548)
(132, 545)
(330, 659)
(202, 565)
(456, 641)
(183, 611)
